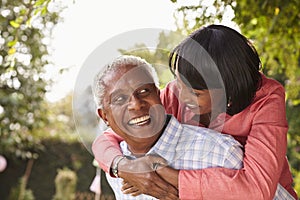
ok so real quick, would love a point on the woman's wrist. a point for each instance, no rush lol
(168, 174)
(115, 165)
(119, 163)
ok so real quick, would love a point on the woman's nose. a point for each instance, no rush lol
(184, 95)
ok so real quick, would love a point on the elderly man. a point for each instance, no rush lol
(127, 96)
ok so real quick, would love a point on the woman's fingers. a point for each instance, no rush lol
(140, 177)
(148, 183)
(127, 188)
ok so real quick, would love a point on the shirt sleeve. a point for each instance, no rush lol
(105, 148)
(234, 157)
(264, 158)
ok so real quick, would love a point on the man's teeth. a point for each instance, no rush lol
(140, 120)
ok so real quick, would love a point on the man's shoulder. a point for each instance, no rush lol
(207, 135)
(185, 133)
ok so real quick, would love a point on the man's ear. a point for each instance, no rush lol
(101, 113)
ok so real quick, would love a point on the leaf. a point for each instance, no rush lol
(296, 102)
(11, 51)
(39, 2)
(44, 11)
(28, 22)
(277, 10)
(36, 11)
(12, 43)
(14, 24)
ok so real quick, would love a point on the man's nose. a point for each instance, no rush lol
(135, 103)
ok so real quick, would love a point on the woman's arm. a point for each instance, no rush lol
(265, 157)
(106, 148)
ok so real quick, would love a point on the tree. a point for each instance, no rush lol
(25, 26)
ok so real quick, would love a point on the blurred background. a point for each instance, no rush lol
(44, 45)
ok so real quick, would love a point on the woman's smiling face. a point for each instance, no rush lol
(200, 101)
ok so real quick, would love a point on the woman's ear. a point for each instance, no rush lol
(158, 91)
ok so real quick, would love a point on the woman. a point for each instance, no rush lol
(220, 87)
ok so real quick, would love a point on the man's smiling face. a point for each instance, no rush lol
(132, 105)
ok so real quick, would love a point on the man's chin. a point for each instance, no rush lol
(144, 131)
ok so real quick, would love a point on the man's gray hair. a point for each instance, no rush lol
(121, 61)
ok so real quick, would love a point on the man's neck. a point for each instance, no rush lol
(140, 149)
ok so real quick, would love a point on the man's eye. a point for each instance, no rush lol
(143, 92)
(121, 99)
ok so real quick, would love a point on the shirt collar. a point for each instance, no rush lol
(165, 147)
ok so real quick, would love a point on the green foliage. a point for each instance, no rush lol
(297, 181)
(20, 192)
(190, 17)
(24, 26)
(294, 143)
(274, 26)
(65, 184)
(60, 125)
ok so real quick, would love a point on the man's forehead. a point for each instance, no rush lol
(128, 77)
(131, 74)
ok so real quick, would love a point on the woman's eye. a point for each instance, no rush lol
(196, 94)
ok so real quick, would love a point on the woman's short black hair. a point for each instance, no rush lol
(217, 56)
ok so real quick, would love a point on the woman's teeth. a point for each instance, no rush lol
(191, 105)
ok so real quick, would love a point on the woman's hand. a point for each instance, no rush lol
(127, 188)
(141, 164)
(140, 178)
(148, 183)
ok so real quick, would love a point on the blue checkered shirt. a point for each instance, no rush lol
(190, 147)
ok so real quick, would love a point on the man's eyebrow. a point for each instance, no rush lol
(129, 91)
(115, 92)
(141, 85)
